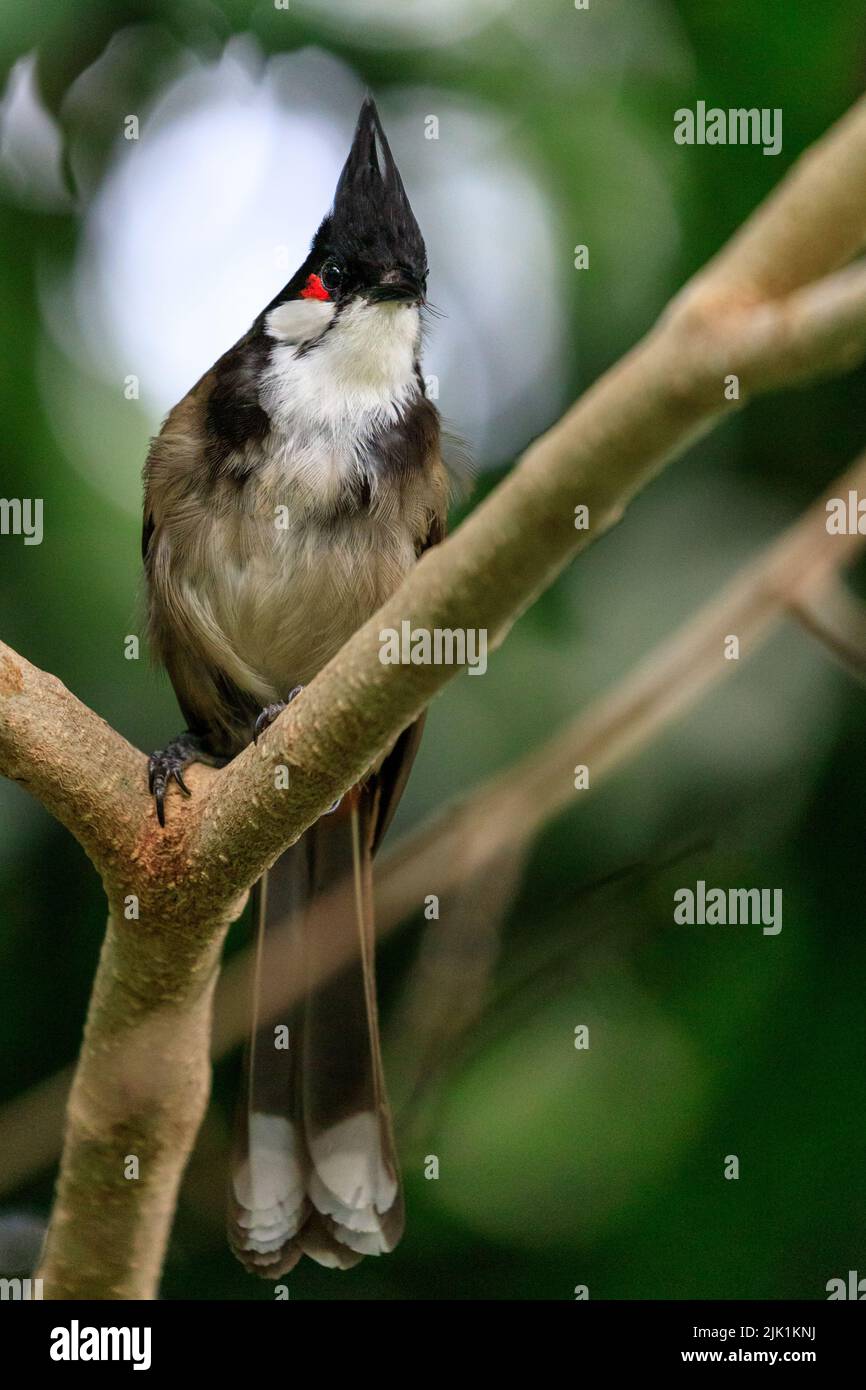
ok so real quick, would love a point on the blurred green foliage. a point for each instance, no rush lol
(557, 1167)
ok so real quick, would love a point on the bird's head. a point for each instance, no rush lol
(368, 253)
(370, 244)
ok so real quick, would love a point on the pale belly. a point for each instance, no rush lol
(279, 604)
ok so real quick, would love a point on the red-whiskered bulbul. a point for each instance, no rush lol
(285, 498)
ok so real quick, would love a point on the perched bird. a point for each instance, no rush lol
(286, 497)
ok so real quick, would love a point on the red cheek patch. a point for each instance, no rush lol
(314, 289)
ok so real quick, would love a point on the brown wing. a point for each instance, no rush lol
(200, 449)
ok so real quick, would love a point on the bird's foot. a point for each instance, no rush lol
(270, 712)
(167, 764)
(267, 717)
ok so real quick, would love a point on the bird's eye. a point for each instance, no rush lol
(331, 276)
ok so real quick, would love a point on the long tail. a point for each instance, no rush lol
(314, 1168)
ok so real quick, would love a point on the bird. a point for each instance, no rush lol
(286, 497)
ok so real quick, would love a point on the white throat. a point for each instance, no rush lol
(354, 376)
(333, 386)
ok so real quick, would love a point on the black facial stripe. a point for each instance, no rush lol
(234, 416)
(304, 349)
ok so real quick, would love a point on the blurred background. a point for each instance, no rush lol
(163, 166)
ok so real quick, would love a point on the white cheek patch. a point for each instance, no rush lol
(299, 320)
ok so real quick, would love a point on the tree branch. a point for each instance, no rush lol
(838, 620)
(82, 771)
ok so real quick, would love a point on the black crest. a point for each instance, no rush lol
(371, 224)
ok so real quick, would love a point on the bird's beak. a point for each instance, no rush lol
(397, 286)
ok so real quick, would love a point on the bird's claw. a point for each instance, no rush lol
(270, 712)
(163, 768)
(266, 718)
